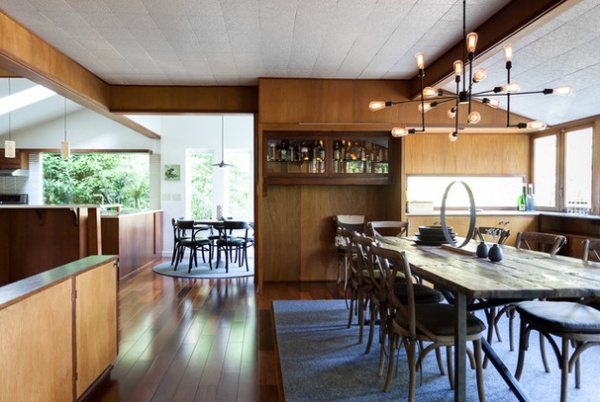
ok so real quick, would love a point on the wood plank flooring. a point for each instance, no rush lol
(199, 340)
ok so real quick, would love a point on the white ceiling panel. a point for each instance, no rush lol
(234, 42)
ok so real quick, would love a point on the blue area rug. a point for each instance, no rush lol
(321, 360)
(203, 271)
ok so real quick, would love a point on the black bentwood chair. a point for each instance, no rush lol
(189, 238)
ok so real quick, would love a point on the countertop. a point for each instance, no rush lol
(508, 213)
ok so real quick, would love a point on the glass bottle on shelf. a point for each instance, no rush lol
(304, 152)
(522, 200)
(283, 152)
(271, 151)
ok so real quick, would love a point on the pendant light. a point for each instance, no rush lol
(222, 163)
(9, 145)
(65, 145)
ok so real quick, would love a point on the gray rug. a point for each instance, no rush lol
(203, 271)
(321, 360)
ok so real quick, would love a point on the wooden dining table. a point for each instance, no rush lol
(521, 274)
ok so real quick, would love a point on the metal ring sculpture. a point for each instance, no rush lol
(471, 220)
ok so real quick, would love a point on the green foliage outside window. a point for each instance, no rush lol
(121, 178)
(202, 185)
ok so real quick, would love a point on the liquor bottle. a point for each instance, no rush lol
(292, 157)
(336, 151)
(283, 152)
(304, 152)
(529, 201)
(522, 201)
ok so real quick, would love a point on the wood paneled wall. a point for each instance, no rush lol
(482, 154)
(295, 228)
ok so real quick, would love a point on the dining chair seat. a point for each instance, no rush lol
(423, 294)
(574, 323)
(440, 319)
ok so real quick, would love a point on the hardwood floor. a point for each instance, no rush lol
(199, 340)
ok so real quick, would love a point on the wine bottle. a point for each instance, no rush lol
(522, 201)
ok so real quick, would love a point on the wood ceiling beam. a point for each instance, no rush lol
(515, 18)
(183, 99)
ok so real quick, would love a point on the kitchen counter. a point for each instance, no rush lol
(480, 212)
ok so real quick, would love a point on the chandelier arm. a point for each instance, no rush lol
(422, 75)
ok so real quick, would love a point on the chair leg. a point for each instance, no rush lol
(564, 365)
(543, 352)
(392, 359)
(411, 352)
(372, 318)
(450, 366)
(523, 341)
(511, 318)
(352, 296)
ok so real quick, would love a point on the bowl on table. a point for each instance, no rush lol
(433, 235)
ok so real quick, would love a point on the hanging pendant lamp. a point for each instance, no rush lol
(9, 145)
(222, 163)
(65, 145)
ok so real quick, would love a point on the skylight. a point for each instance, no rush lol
(24, 98)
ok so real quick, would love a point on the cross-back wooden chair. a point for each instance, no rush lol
(491, 234)
(546, 242)
(574, 322)
(351, 223)
(411, 324)
(388, 228)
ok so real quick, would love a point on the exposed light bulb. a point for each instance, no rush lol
(458, 67)
(479, 74)
(493, 103)
(430, 92)
(536, 125)
(420, 60)
(471, 42)
(453, 136)
(508, 52)
(511, 88)
(564, 90)
(426, 107)
(399, 132)
(474, 118)
(9, 149)
(452, 112)
(378, 105)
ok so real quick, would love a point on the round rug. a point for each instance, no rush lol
(203, 271)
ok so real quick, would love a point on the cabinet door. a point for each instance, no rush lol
(295, 156)
(37, 347)
(96, 323)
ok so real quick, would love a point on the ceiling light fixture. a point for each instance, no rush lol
(222, 163)
(466, 96)
(65, 145)
(9, 145)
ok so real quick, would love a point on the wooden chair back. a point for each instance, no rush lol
(491, 234)
(546, 242)
(591, 250)
(388, 228)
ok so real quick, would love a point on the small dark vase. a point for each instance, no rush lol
(482, 250)
(495, 254)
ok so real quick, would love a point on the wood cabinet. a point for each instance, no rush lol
(20, 161)
(59, 331)
(321, 157)
(576, 227)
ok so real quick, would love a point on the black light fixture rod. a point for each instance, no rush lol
(422, 75)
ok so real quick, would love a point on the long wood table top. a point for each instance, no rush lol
(522, 274)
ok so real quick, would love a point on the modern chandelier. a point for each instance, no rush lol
(466, 95)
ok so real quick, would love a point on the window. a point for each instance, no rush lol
(488, 192)
(544, 168)
(562, 164)
(229, 187)
(94, 178)
(578, 170)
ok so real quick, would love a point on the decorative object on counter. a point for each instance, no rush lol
(495, 254)
(9, 145)
(466, 95)
(482, 250)
(172, 172)
(434, 236)
(65, 145)
(472, 212)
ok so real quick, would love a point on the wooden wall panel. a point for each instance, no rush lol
(298, 229)
(470, 154)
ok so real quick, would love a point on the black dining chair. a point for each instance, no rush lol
(189, 238)
(232, 245)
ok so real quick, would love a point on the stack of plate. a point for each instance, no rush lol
(433, 235)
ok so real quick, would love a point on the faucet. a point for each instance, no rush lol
(99, 196)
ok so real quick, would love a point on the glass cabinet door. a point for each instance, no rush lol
(360, 157)
(295, 156)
